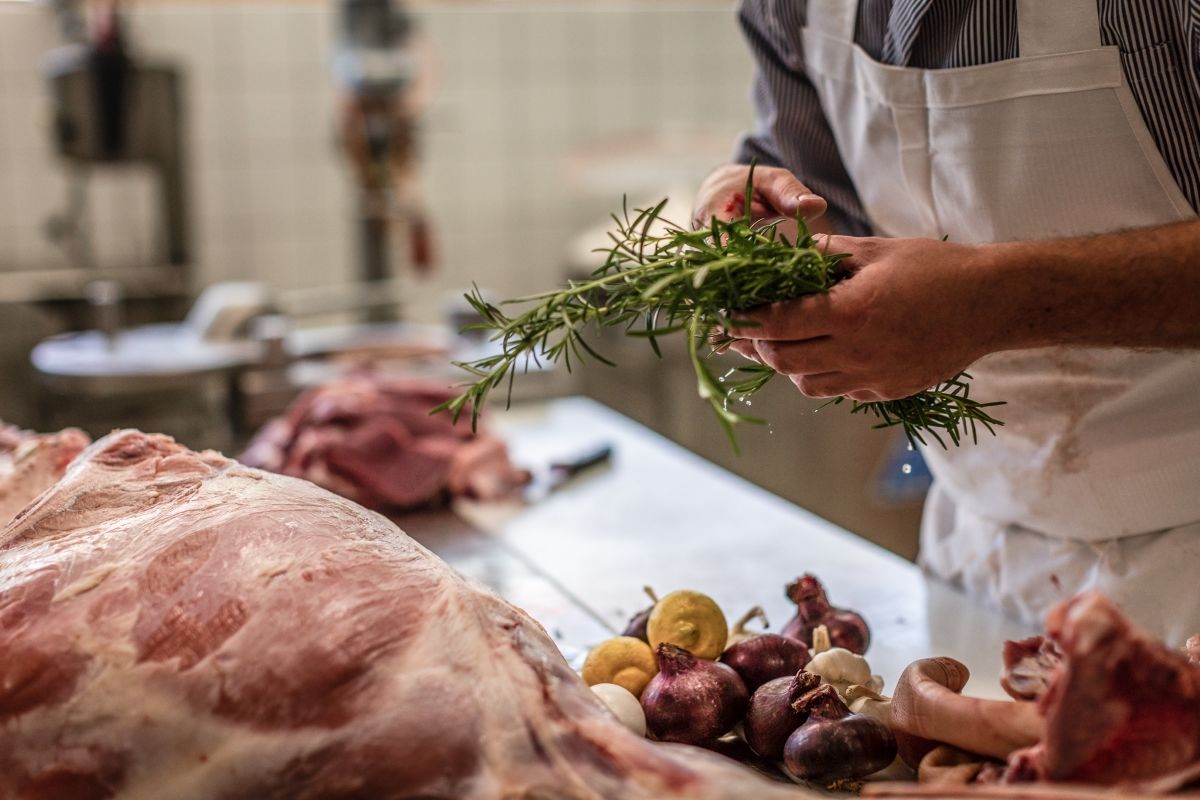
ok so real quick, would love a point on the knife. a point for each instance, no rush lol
(562, 470)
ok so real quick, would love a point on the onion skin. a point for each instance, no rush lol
(637, 625)
(834, 743)
(765, 657)
(770, 719)
(692, 700)
(846, 628)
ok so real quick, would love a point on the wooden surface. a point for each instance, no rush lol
(659, 515)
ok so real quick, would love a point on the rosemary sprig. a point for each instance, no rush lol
(692, 282)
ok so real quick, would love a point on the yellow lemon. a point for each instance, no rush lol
(690, 620)
(623, 660)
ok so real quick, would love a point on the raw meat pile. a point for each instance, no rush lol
(1101, 703)
(31, 463)
(372, 440)
(1117, 707)
(176, 625)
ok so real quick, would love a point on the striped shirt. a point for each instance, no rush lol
(1159, 43)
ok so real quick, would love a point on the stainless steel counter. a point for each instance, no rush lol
(659, 515)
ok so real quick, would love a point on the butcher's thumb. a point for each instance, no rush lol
(789, 196)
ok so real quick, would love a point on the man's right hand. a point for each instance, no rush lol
(776, 193)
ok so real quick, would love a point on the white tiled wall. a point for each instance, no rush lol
(543, 115)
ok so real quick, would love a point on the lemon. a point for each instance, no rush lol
(690, 620)
(623, 660)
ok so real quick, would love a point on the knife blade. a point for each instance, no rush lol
(562, 470)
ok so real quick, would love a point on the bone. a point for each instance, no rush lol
(927, 709)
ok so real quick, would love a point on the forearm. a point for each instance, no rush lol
(1130, 289)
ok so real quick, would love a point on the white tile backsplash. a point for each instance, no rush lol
(25, 36)
(522, 95)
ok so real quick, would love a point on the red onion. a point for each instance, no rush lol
(834, 743)
(771, 719)
(765, 657)
(637, 623)
(846, 628)
(692, 700)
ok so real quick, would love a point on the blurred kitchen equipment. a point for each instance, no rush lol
(376, 69)
(231, 326)
(240, 350)
(209, 378)
(105, 297)
(265, 389)
(115, 109)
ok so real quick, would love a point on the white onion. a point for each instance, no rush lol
(624, 706)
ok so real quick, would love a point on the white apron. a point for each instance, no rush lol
(1095, 479)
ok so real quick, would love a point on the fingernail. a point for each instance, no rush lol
(809, 199)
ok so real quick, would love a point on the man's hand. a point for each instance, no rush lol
(777, 193)
(913, 313)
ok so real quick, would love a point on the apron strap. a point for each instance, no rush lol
(1045, 27)
(834, 18)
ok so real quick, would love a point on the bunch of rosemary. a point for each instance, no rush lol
(692, 282)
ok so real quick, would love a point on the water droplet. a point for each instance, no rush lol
(906, 469)
(749, 403)
(910, 447)
(721, 379)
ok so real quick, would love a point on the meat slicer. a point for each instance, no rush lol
(244, 348)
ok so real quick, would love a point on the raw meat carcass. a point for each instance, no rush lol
(372, 439)
(1099, 702)
(176, 625)
(30, 463)
(1120, 707)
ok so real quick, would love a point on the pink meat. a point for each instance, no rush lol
(1030, 666)
(1119, 708)
(373, 440)
(31, 463)
(176, 625)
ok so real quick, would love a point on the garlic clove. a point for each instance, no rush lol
(738, 632)
(879, 709)
(843, 669)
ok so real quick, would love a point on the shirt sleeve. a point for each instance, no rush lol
(791, 129)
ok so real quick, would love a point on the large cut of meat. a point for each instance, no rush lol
(176, 625)
(1117, 707)
(372, 439)
(31, 463)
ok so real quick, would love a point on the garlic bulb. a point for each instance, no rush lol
(623, 705)
(842, 669)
